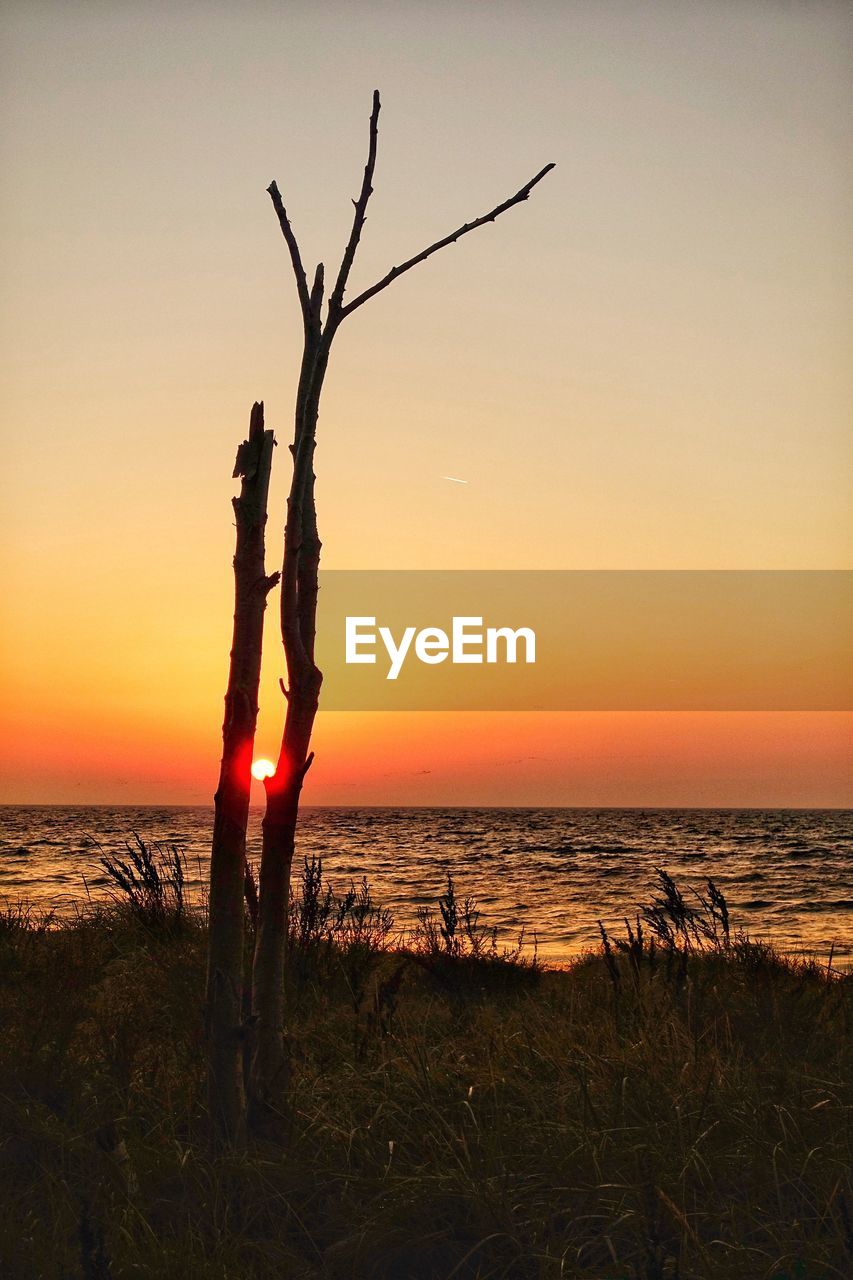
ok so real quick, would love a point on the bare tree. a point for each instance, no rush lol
(226, 1095)
(270, 1067)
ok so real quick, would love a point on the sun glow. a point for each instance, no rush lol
(262, 769)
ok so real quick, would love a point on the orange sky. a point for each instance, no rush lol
(487, 758)
(645, 366)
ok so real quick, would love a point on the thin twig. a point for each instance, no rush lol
(295, 256)
(440, 244)
(337, 296)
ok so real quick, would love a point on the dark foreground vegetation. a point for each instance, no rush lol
(672, 1106)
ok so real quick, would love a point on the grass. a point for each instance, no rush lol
(672, 1106)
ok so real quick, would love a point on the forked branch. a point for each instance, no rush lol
(299, 585)
(337, 311)
(441, 244)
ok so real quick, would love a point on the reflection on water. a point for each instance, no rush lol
(555, 872)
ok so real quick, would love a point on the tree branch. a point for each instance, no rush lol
(337, 295)
(315, 299)
(440, 244)
(295, 257)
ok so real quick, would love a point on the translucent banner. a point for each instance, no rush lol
(393, 640)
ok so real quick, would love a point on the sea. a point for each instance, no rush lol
(551, 874)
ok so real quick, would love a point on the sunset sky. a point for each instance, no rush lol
(646, 366)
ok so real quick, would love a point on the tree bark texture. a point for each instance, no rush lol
(225, 1030)
(270, 1071)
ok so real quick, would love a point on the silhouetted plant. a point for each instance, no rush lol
(319, 917)
(610, 959)
(717, 912)
(455, 932)
(636, 946)
(23, 918)
(311, 909)
(449, 911)
(150, 880)
(678, 926)
(361, 921)
(675, 927)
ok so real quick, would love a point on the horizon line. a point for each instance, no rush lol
(660, 808)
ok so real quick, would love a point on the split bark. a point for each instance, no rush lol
(270, 1072)
(226, 1093)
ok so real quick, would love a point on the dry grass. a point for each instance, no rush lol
(659, 1111)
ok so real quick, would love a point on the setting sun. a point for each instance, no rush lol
(262, 769)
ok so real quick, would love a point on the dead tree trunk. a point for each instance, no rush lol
(270, 1062)
(226, 1094)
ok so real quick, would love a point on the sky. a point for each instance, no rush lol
(645, 366)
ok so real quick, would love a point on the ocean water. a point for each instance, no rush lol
(552, 872)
